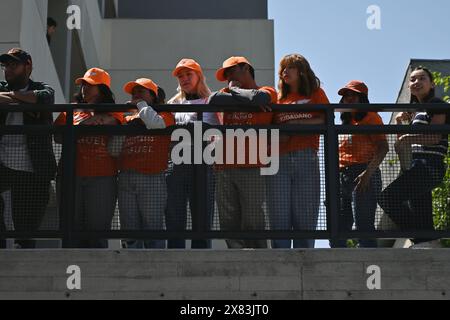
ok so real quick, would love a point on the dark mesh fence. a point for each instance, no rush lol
(28, 200)
(415, 194)
(27, 190)
(409, 193)
(126, 182)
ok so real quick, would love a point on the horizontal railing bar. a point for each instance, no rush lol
(290, 128)
(35, 129)
(162, 234)
(336, 107)
(392, 129)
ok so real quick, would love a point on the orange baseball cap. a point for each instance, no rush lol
(230, 62)
(143, 82)
(95, 76)
(187, 63)
(354, 85)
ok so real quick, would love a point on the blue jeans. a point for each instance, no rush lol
(180, 186)
(142, 203)
(408, 200)
(357, 207)
(293, 196)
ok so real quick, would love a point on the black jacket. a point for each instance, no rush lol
(40, 147)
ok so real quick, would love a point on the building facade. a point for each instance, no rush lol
(133, 39)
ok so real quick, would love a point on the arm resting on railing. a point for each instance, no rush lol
(240, 96)
(5, 98)
(149, 116)
(423, 139)
(44, 95)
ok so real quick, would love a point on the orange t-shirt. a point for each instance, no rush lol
(360, 148)
(93, 158)
(147, 154)
(300, 142)
(246, 118)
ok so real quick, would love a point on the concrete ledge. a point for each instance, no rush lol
(227, 274)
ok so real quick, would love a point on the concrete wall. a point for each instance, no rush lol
(231, 274)
(92, 33)
(58, 45)
(9, 25)
(130, 48)
(152, 48)
(22, 25)
(134, 48)
(32, 39)
(42, 7)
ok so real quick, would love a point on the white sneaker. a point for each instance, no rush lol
(428, 245)
(402, 243)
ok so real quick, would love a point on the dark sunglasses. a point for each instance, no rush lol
(230, 70)
(11, 65)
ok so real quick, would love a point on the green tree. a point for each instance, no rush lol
(441, 195)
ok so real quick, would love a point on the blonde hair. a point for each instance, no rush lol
(202, 91)
(308, 81)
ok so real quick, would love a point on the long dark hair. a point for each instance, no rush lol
(308, 81)
(347, 117)
(432, 93)
(106, 95)
(161, 98)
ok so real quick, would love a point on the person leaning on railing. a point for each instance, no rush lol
(96, 169)
(192, 89)
(142, 163)
(408, 199)
(293, 193)
(360, 156)
(240, 188)
(27, 162)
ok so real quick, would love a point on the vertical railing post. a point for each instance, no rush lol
(199, 207)
(67, 181)
(332, 175)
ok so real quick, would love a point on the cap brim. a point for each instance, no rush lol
(344, 90)
(88, 80)
(220, 74)
(8, 57)
(178, 69)
(128, 87)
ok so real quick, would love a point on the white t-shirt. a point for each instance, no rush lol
(13, 148)
(183, 118)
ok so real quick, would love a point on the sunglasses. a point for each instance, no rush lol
(350, 93)
(230, 70)
(10, 65)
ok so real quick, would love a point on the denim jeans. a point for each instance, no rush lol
(408, 200)
(142, 204)
(180, 186)
(95, 203)
(293, 196)
(357, 207)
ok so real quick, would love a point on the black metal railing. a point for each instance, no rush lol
(329, 132)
